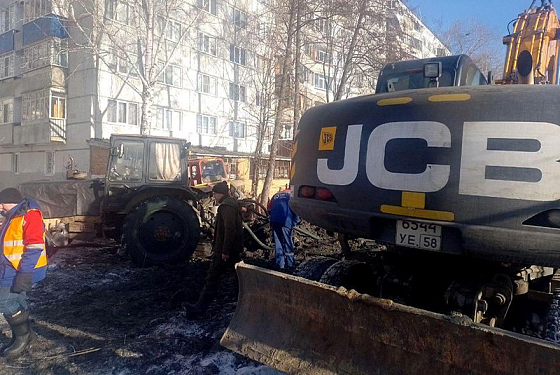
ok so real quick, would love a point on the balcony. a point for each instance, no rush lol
(41, 131)
(44, 27)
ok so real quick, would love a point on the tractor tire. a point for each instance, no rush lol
(314, 268)
(351, 274)
(160, 230)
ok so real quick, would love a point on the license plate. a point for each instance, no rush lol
(418, 235)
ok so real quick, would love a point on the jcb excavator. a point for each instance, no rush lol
(460, 181)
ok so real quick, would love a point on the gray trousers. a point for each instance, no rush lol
(11, 303)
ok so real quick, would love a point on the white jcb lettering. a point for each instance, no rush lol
(476, 158)
(434, 177)
(349, 171)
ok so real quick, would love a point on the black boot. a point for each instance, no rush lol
(199, 308)
(22, 334)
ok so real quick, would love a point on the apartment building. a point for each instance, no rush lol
(62, 94)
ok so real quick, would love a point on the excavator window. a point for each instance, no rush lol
(472, 76)
(414, 79)
(458, 70)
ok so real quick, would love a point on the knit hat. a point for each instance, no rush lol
(10, 195)
(221, 188)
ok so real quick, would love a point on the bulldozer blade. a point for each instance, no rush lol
(304, 327)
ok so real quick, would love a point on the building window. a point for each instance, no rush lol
(322, 56)
(119, 63)
(320, 25)
(263, 30)
(43, 104)
(287, 132)
(237, 54)
(49, 163)
(169, 28)
(231, 164)
(237, 129)
(7, 66)
(258, 99)
(59, 52)
(320, 82)
(205, 124)
(15, 163)
(58, 106)
(412, 41)
(117, 11)
(51, 52)
(263, 64)
(207, 84)
(6, 111)
(171, 75)
(237, 92)
(282, 169)
(168, 119)
(7, 18)
(209, 6)
(238, 18)
(207, 43)
(36, 8)
(122, 112)
(132, 114)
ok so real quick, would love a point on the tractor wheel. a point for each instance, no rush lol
(351, 274)
(314, 268)
(160, 230)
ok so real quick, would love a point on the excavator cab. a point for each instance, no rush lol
(443, 71)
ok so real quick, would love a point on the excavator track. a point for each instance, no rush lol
(305, 327)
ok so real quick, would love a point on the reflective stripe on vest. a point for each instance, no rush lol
(14, 247)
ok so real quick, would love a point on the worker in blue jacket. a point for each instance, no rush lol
(282, 221)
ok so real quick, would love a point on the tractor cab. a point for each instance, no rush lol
(140, 162)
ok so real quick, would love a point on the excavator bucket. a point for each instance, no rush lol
(304, 327)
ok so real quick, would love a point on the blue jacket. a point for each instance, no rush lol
(280, 211)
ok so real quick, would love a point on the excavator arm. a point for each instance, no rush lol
(534, 31)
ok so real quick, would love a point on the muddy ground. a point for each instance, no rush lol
(96, 313)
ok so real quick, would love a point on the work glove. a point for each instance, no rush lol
(22, 282)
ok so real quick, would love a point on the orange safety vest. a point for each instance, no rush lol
(13, 245)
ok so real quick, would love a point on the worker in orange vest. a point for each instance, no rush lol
(23, 262)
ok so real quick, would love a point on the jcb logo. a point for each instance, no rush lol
(515, 160)
(326, 141)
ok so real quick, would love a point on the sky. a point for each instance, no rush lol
(496, 14)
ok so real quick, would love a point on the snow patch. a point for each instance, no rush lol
(178, 327)
(225, 362)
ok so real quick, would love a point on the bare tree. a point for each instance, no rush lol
(282, 93)
(476, 40)
(135, 39)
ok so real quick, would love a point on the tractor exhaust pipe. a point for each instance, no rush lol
(525, 68)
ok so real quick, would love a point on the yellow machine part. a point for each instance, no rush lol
(535, 31)
(304, 327)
